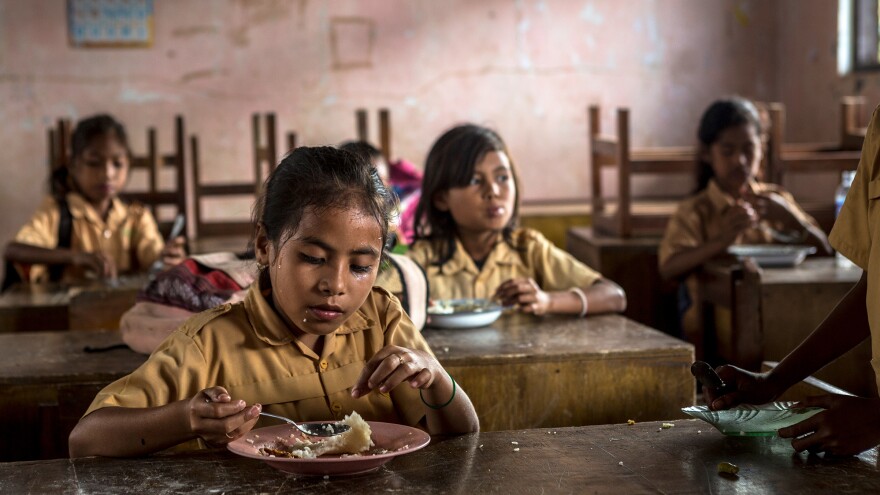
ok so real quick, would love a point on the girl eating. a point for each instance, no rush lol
(313, 339)
(730, 206)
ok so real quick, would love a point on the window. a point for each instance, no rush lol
(865, 54)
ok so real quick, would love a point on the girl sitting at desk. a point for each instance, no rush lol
(468, 243)
(730, 206)
(83, 229)
(313, 339)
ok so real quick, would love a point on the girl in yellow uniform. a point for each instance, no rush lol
(313, 339)
(730, 206)
(468, 243)
(83, 229)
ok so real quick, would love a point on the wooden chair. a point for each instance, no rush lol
(265, 159)
(614, 151)
(748, 319)
(363, 134)
(153, 162)
(798, 158)
(59, 144)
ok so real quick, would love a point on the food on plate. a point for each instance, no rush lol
(448, 307)
(353, 442)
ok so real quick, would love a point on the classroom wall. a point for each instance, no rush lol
(811, 88)
(527, 68)
(808, 81)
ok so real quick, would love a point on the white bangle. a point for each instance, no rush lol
(583, 298)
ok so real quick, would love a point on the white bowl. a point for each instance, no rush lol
(772, 255)
(463, 313)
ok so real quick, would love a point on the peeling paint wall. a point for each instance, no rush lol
(810, 86)
(528, 68)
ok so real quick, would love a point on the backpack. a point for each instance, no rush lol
(65, 236)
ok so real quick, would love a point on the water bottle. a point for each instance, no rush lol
(846, 180)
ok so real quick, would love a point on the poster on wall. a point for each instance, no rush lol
(110, 23)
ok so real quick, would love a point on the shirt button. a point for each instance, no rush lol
(107, 233)
(336, 407)
(323, 365)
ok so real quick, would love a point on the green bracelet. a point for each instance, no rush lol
(441, 406)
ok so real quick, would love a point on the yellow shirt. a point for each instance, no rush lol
(698, 219)
(534, 257)
(856, 233)
(247, 349)
(129, 235)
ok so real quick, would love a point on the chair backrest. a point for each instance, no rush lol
(59, 144)
(815, 157)
(265, 159)
(153, 161)
(363, 134)
(614, 151)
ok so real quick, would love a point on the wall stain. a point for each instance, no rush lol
(346, 32)
(199, 74)
(189, 31)
(255, 13)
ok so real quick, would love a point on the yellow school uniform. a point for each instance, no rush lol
(856, 233)
(698, 219)
(530, 256)
(129, 235)
(248, 349)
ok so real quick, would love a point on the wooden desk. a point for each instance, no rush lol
(591, 459)
(632, 264)
(528, 372)
(47, 383)
(522, 372)
(55, 306)
(774, 310)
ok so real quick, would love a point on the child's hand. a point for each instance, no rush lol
(174, 252)
(848, 426)
(217, 419)
(104, 266)
(393, 365)
(524, 293)
(772, 207)
(737, 218)
(748, 388)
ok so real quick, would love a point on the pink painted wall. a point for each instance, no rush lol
(528, 68)
(809, 84)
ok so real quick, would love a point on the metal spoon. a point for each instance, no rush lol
(314, 430)
(709, 378)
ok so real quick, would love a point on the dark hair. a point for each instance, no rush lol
(362, 148)
(720, 116)
(85, 133)
(319, 178)
(451, 163)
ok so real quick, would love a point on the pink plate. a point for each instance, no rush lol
(396, 439)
